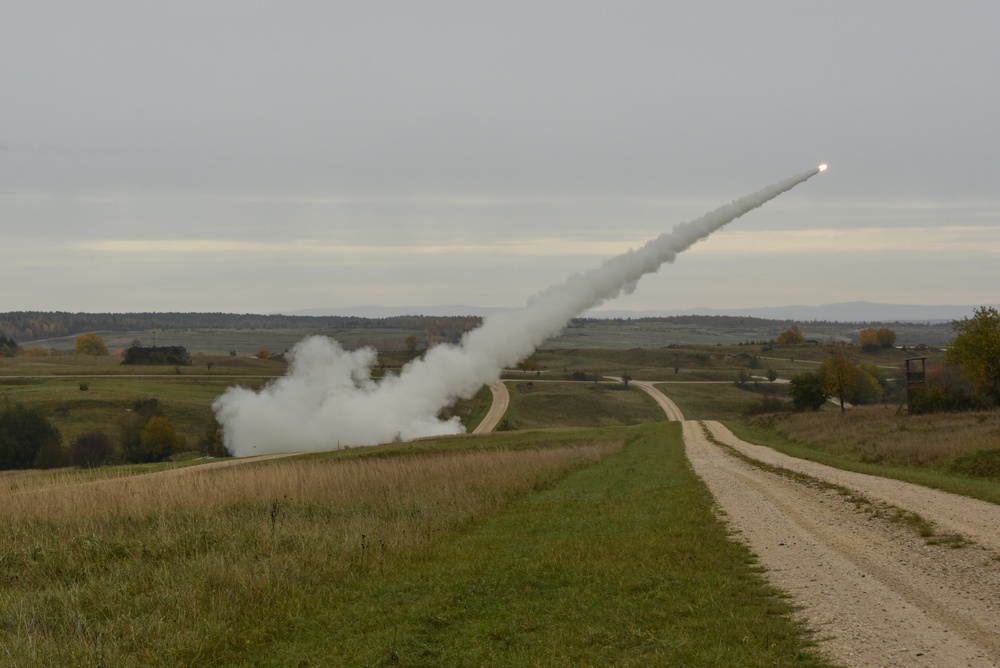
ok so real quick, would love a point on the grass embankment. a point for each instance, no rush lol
(376, 555)
(621, 563)
(952, 452)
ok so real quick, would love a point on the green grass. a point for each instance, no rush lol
(622, 563)
(710, 401)
(985, 490)
(538, 405)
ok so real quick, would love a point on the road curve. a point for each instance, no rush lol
(501, 400)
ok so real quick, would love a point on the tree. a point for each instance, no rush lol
(263, 354)
(159, 440)
(90, 450)
(976, 350)
(772, 375)
(838, 370)
(24, 434)
(850, 382)
(411, 342)
(886, 338)
(527, 364)
(91, 344)
(790, 336)
(871, 338)
(806, 390)
(868, 339)
(8, 347)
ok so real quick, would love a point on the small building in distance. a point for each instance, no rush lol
(157, 355)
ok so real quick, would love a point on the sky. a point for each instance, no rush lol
(262, 157)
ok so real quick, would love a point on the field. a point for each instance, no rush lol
(580, 537)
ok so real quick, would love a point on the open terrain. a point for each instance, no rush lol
(509, 548)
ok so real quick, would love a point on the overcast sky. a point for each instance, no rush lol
(274, 156)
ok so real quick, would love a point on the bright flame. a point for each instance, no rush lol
(822, 167)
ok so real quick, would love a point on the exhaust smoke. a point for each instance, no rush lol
(328, 399)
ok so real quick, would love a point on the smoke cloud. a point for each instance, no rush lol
(328, 399)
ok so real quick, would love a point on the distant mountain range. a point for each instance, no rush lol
(839, 312)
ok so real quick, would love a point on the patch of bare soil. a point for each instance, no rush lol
(875, 591)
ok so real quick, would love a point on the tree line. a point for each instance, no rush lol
(28, 326)
(141, 434)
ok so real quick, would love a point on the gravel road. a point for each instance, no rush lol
(876, 593)
(501, 399)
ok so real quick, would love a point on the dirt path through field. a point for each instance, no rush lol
(501, 399)
(876, 593)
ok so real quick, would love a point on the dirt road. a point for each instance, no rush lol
(501, 399)
(876, 593)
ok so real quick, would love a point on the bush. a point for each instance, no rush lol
(211, 443)
(90, 450)
(767, 404)
(91, 344)
(28, 439)
(806, 390)
(979, 464)
(158, 440)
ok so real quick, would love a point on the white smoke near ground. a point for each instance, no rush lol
(329, 400)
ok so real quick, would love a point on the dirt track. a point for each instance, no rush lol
(876, 593)
(501, 399)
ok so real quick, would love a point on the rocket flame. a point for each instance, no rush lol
(822, 167)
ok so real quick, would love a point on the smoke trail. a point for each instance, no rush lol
(328, 399)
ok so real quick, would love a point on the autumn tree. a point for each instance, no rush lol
(976, 350)
(849, 382)
(263, 354)
(91, 344)
(790, 336)
(871, 338)
(868, 339)
(528, 364)
(159, 440)
(886, 338)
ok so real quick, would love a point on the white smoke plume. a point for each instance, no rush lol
(328, 399)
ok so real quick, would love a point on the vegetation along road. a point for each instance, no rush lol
(888, 573)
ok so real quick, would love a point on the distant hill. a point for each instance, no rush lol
(859, 311)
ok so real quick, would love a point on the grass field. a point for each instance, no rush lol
(522, 549)
(543, 404)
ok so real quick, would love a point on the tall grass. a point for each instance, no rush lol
(200, 567)
(880, 435)
(952, 452)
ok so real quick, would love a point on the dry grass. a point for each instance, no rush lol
(876, 434)
(199, 565)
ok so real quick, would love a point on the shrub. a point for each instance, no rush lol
(806, 390)
(91, 344)
(25, 434)
(979, 464)
(158, 439)
(90, 450)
